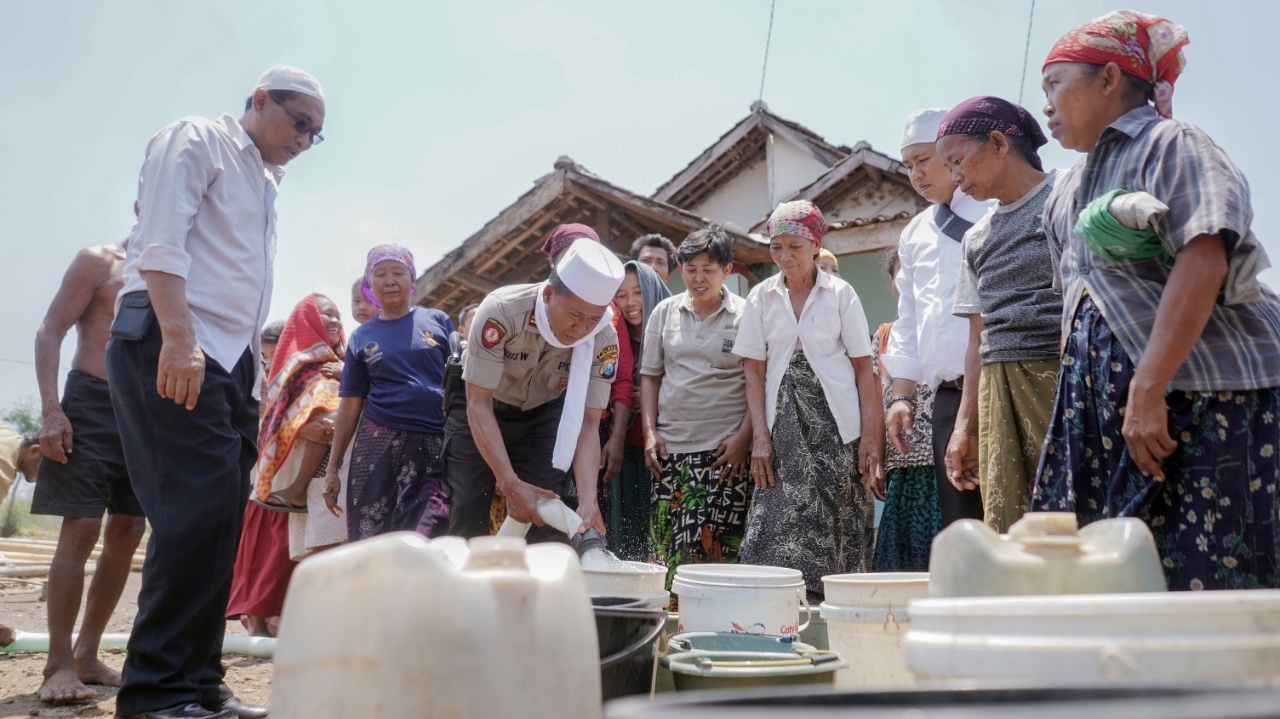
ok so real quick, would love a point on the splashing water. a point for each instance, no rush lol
(599, 559)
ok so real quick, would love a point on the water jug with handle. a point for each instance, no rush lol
(396, 627)
(1045, 553)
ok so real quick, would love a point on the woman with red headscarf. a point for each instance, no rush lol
(1168, 404)
(293, 442)
(816, 414)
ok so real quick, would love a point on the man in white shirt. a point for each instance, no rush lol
(182, 365)
(928, 343)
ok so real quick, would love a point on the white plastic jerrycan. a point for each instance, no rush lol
(1045, 553)
(552, 511)
(396, 627)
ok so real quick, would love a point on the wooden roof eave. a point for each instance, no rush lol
(544, 191)
(746, 249)
(681, 180)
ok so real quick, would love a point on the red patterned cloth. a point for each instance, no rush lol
(564, 235)
(1145, 46)
(798, 218)
(296, 388)
(263, 567)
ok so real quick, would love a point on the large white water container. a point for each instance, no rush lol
(741, 598)
(866, 616)
(1044, 553)
(1174, 638)
(396, 627)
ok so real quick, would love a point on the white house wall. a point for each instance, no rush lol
(793, 168)
(741, 200)
(885, 198)
(745, 199)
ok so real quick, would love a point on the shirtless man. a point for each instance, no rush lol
(83, 474)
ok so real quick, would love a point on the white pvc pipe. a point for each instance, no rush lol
(34, 643)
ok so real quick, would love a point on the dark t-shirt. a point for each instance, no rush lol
(398, 367)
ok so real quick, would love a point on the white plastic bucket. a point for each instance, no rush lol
(1177, 638)
(740, 598)
(866, 616)
(637, 580)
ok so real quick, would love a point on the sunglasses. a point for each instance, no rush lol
(300, 123)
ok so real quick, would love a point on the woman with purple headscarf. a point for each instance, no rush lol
(1005, 288)
(392, 402)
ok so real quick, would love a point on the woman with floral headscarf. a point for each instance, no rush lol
(1168, 404)
(392, 403)
(816, 414)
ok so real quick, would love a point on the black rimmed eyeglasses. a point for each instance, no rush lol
(300, 123)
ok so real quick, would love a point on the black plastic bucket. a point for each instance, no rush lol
(1019, 703)
(628, 635)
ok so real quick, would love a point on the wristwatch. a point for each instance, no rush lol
(909, 399)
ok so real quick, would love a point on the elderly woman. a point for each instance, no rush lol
(392, 402)
(912, 515)
(1170, 388)
(295, 401)
(1005, 288)
(815, 401)
(628, 493)
(693, 402)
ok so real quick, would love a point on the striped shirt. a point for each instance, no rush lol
(1207, 194)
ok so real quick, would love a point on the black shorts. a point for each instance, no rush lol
(94, 479)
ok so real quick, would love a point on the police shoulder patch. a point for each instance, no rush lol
(608, 359)
(492, 333)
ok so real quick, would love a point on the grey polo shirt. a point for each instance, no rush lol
(704, 392)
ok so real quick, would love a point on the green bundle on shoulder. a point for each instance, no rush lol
(1120, 225)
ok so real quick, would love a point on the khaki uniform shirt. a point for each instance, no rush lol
(10, 451)
(506, 353)
(704, 388)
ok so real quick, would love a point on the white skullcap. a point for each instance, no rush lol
(591, 271)
(922, 126)
(287, 77)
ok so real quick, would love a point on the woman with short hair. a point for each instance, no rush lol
(694, 412)
(817, 417)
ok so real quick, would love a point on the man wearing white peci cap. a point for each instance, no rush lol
(538, 365)
(927, 344)
(182, 365)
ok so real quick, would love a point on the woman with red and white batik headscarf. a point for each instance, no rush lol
(816, 415)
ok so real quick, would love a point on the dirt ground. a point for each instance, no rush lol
(22, 608)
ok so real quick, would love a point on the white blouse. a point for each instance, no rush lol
(832, 328)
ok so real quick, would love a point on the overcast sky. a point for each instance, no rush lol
(442, 114)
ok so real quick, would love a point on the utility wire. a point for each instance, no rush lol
(1026, 53)
(768, 37)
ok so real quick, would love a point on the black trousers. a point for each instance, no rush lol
(190, 472)
(529, 436)
(955, 504)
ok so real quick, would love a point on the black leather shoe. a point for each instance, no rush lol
(190, 711)
(236, 708)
